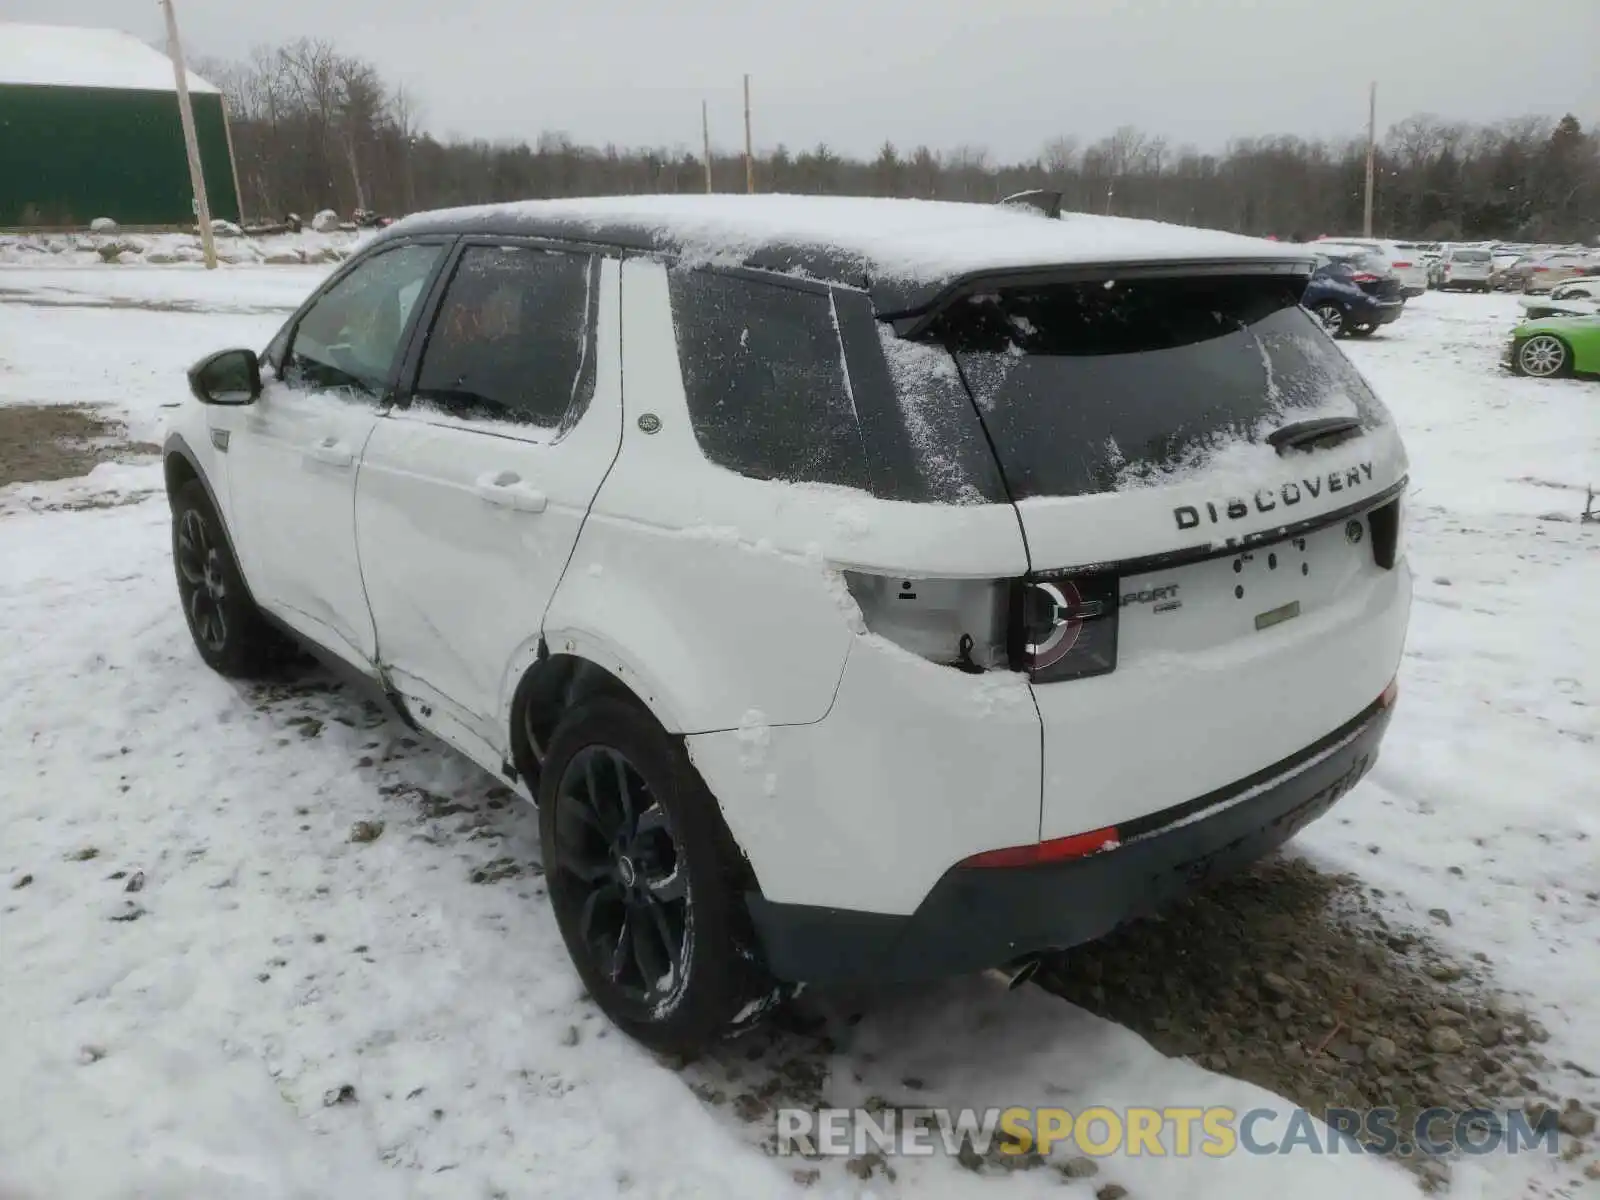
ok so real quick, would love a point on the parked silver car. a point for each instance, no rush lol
(1467, 268)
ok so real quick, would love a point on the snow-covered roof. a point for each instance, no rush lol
(70, 56)
(919, 241)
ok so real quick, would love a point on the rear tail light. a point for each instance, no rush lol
(1365, 277)
(1540, 270)
(1051, 627)
(1064, 627)
(1402, 264)
(1062, 849)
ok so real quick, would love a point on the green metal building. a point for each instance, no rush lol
(89, 127)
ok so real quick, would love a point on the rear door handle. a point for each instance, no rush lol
(507, 490)
(331, 451)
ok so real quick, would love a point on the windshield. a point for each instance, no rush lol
(1102, 386)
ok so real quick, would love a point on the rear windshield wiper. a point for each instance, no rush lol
(1317, 433)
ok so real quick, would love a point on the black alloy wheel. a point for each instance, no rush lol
(619, 864)
(202, 586)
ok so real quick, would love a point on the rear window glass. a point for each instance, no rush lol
(1472, 256)
(1098, 387)
(764, 373)
(1362, 260)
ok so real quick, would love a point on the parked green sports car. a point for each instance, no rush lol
(1551, 346)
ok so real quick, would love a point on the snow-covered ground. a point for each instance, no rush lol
(196, 957)
(166, 249)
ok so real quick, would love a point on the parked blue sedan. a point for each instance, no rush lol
(1353, 291)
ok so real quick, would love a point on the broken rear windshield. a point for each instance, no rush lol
(1100, 386)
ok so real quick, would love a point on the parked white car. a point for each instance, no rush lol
(861, 588)
(1406, 264)
(1585, 287)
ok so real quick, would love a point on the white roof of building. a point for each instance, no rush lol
(909, 239)
(70, 56)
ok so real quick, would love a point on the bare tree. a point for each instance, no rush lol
(314, 128)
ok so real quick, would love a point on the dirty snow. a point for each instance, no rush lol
(284, 1012)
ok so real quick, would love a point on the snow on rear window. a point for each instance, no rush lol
(1085, 389)
(930, 394)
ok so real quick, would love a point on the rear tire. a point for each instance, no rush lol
(228, 629)
(1332, 318)
(645, 880)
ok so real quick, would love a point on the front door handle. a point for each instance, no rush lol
(506, 489)
(332, 452)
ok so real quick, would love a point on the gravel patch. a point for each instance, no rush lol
(1293, 980)
(43, 442)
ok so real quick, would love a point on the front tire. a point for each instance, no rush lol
(228, 629)
(646, 883)
(1543, 356)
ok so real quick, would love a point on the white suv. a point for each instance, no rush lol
(859, 587)
(1469, 267)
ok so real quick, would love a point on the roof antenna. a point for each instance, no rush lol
(1047, 202)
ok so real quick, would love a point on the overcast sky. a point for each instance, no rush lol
(1003, 74)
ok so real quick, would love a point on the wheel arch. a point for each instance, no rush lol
(568, 667)
(180, 466)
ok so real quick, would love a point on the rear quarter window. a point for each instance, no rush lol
(765, 378)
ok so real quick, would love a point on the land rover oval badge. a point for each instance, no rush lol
(650, 423)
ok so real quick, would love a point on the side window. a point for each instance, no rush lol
(513, 337)
(764, 372)
(349, 337)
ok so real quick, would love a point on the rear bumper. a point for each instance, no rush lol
(1382, 312)
(981, 917)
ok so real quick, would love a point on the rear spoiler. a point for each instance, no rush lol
(1047, 202)
(910, 322)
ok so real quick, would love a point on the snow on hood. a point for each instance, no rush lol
(913, 240)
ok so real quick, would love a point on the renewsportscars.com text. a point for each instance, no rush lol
(1160, 1132)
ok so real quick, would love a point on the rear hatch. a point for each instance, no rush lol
(1209, 492)
(1468, 264)
(1374, 275)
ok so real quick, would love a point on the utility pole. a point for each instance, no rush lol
(208, 242)
(705, 133)
(1372, 151)
(749, 154)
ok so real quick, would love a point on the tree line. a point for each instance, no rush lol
(314, 128)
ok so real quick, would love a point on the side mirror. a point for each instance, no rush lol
(227, 377)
